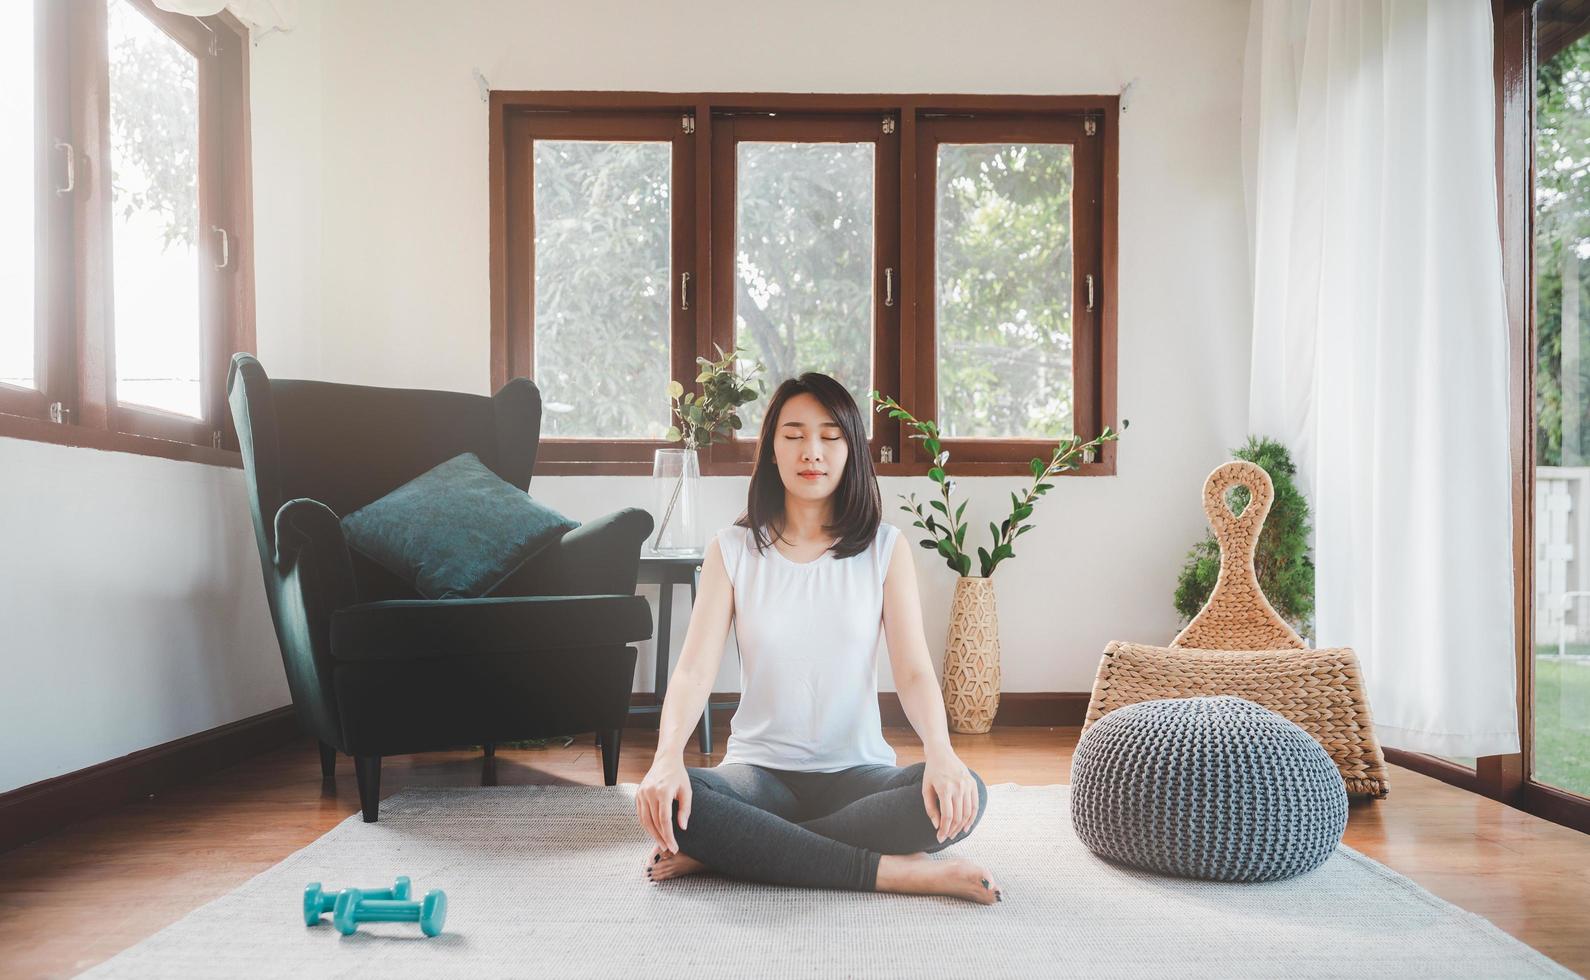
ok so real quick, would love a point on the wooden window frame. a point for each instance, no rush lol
(75, 351)
(899, 332)
(1087, 372)
(1507, 778)
(52, 247)
(513, 342)
(729, 129)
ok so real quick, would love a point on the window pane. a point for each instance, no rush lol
(154, 145)
(803, 265)
(602, 287)
(1562, 409)
(1003, 311)
(17, 184)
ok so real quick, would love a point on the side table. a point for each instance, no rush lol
(666, 571)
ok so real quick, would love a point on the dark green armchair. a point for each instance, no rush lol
(376, 670)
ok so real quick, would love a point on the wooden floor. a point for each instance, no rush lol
(79, 896)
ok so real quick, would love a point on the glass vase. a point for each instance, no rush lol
(676, 496)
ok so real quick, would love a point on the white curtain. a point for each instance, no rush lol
(1380, 345)
(255, 14)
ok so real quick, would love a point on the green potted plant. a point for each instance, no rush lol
(1282, 561)
(971, 654)
(712, 416)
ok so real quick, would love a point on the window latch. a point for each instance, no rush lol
(684, 290)
(1089, 280)
(226, 248)
(58, 413)
(215, 438)
(888, 287)
(71, 167)
(886, 454)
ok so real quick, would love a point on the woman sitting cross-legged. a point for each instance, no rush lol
(808, 792)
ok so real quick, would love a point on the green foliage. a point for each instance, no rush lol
(154, 119)
(805, 281)
(603, 287)
(1004, 268)
(714, 416)
(947, 532)
(1562, 728)
(1282, 560)
(803, 261)
(1562, 220)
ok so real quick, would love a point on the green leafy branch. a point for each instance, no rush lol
(714, 416)
(947, 530)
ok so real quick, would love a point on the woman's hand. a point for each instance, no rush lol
(950, 794)
(665, 782)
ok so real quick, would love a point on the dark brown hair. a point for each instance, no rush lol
(857, 504)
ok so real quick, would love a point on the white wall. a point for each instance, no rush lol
(131, 603)
(370, 143)
(132, 610)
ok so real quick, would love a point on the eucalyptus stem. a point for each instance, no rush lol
(678, 486)
(948, 537)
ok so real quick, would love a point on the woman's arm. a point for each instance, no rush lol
(949, 792)
(688, 689)
(690, 684)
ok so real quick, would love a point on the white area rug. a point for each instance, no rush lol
(547, 881)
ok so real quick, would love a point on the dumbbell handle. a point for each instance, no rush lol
(353, 908)
(400, 890)
(388, 910)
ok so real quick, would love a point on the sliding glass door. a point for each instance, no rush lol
(1558, 703)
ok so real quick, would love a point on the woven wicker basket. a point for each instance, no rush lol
(1238, 645)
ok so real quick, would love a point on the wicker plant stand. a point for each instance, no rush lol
(1238, 645)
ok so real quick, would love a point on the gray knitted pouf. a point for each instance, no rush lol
(1216, 788)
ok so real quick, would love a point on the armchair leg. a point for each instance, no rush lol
(328, 768)
(610, 740)
(488, 765)
(367, 768)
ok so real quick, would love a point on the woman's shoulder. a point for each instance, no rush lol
(731, 547)
(733, 541)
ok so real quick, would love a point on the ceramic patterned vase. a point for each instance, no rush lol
(971, 658)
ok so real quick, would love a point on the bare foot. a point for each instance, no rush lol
(958, 878)
(662, 864)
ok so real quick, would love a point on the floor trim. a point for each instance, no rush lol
(41, 808)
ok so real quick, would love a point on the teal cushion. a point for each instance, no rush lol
(455, 531)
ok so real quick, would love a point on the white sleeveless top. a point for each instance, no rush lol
(808, 636)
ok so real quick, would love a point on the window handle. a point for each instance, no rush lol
(71, 167)
(684, 290)
(1090, 291)
(226, 248)
(888, 286)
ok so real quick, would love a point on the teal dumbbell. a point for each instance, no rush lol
(353, 908)
(318, 901)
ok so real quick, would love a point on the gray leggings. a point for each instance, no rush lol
(817, 829)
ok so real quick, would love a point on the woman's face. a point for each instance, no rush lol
(809, 447)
